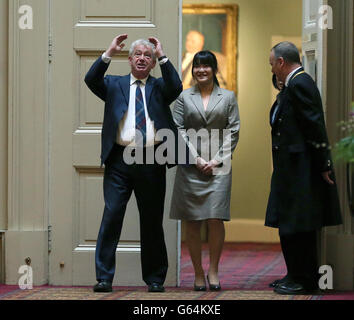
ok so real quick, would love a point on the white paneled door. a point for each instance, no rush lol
(80, 31)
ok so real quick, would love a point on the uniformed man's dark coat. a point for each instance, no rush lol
(300, 200)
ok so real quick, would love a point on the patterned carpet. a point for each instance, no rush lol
(245, 271)
(243, 266)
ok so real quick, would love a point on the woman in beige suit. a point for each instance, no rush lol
(208, 118)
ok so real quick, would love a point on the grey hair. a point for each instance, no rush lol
(143, 42)
(288, 51)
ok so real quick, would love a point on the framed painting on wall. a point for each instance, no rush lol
(210, 27)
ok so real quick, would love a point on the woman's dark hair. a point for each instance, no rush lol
(208, 58)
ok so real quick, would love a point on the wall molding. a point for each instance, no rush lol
(28, 134)
(250, 230)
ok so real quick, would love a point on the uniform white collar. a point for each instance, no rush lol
(290, 75)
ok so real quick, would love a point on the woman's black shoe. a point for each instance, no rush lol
(214, 287)
(199, 288)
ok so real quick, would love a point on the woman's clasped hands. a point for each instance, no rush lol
(206, 167)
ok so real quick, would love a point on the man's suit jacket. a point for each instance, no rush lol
(300, 200)
(114, 91)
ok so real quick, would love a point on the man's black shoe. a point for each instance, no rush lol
(156, 287)
(278, 282)
(275, 283)
(291, 288)
(103, 286)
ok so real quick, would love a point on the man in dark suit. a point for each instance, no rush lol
(303, 196)
(136, 107)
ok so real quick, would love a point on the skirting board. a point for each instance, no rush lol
(22, 244)
(250, 230)
(2, 258)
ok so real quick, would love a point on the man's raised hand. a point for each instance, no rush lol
(158, 47)
(117, 45)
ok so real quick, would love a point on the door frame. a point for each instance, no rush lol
(28, 135)
(338, 250)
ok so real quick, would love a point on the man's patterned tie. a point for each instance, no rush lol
(140, 119)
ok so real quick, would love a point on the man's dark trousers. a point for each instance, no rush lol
(300, 255)
(149, 184)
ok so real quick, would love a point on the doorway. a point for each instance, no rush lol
(256, 28)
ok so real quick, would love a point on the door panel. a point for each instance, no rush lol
(81, 31)
(314, 41)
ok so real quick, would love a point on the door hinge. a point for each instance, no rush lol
(49, 238)
(50, 49)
